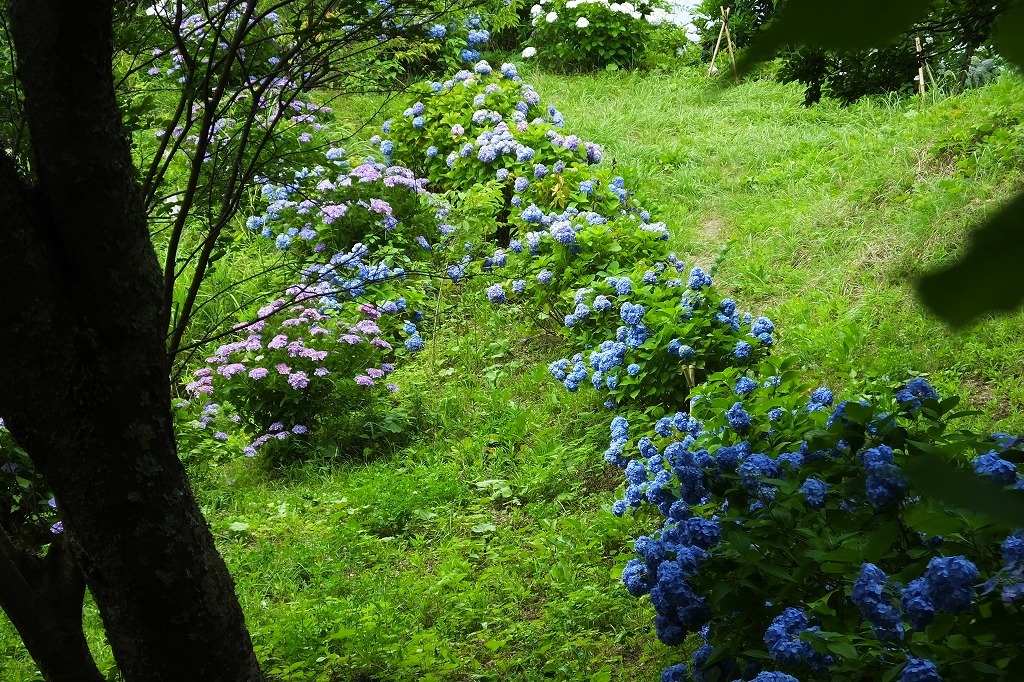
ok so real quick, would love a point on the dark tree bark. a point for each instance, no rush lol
(43, 599)
(83, 369)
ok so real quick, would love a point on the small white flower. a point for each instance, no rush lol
(536, 11)
(572, 4)
(529, 52)
(582, 22)
(551, 17)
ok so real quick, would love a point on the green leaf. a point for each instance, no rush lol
(881, 540)
(238, 527)
(1008, 35)
(935, 477)
(842, 649)
(836, 25)
(986, 278)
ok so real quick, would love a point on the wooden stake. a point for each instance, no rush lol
(728, 42)
(920, 67)
(718, 43)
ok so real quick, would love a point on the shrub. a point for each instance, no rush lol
(585, 35)
(294, 364)
(792, 539)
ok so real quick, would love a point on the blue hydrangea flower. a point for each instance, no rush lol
(919, 670)
(636, 578)
(633, 369)
(437, 31)
(496, 294)
(741, 351)
(414, 343)
(917, 604)
(703, 533)
(916, 391)
(699, 279)
(532, 214)
(558, 368)
(756, 467)
(814, 491)
(885, 485)
(871, 596)
(775, 414)
(631, 314)
(738, 418)
(783, 638)
(563, 233)
(822, 396)
(744, 385)
(675, 673)
(774, 676)
(521, 184)
(1013, 549)
(762, 325)
(991, 465)
(951, 583)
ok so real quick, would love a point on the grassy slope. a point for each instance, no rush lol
(485, 549)
(829, 214)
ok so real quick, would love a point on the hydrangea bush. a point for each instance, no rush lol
(295, 363)
(584, 35)
(792, 540)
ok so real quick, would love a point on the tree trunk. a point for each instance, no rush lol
(43, 599)
(83, 370)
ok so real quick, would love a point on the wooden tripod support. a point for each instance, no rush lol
(724, 31)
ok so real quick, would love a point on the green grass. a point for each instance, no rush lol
(829, 213)
(482, 548)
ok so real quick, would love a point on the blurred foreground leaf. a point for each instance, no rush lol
(987, 277)
(837, 26)
(1008, 35)
(942, 481)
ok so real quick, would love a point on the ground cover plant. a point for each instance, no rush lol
(505, 479)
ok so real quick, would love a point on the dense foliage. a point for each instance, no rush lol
(955, 36)
(784, 528)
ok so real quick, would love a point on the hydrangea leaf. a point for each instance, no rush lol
(937, 478)
(1008, 35)
(987, 277)
(838, 26)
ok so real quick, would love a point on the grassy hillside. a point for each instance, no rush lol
(479, 546)
(829, 213)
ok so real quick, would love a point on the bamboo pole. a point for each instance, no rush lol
(920, 67)
(728, 42)
(718, 43)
